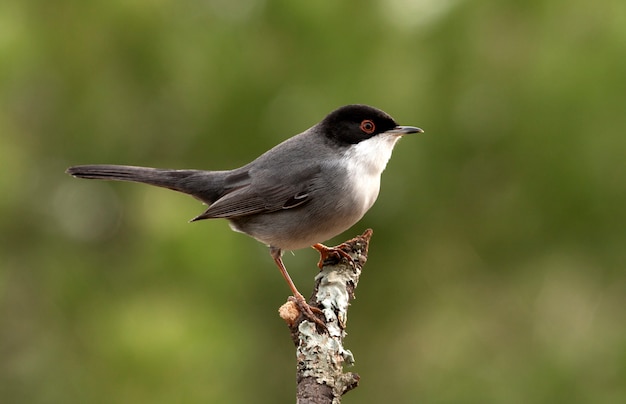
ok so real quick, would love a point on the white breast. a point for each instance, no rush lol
(365, 162)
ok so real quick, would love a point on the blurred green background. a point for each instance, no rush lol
(497, 266)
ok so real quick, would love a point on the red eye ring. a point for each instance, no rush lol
(367, 126)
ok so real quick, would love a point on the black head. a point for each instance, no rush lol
(352, 124)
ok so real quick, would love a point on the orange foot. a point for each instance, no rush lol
(335, 252)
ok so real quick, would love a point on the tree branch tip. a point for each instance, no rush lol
(366, 236)
(358, 245)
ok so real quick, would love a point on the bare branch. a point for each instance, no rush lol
(320, 352)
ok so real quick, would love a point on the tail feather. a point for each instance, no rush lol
(204, 185)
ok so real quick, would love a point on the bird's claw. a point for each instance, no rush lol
(308, 311)
(335, 252)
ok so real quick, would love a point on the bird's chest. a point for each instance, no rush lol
(363, 170)
(361, 189)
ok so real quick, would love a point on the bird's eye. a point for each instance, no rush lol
(368, 126)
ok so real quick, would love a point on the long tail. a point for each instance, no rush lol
(204, 185)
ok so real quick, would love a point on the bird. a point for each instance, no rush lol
(300, 193)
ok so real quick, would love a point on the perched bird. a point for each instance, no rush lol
(306, 190)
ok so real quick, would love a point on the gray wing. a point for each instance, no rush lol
(249, 192)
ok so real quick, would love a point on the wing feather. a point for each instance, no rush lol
(252, 192)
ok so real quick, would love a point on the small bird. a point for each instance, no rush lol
(304, 191)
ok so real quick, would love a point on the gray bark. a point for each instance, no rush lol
(320, 352)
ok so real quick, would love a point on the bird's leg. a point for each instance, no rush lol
(336, 252)
(306, 309)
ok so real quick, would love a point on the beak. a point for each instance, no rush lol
(404, 130)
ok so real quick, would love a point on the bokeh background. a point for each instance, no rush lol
(497, 266)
